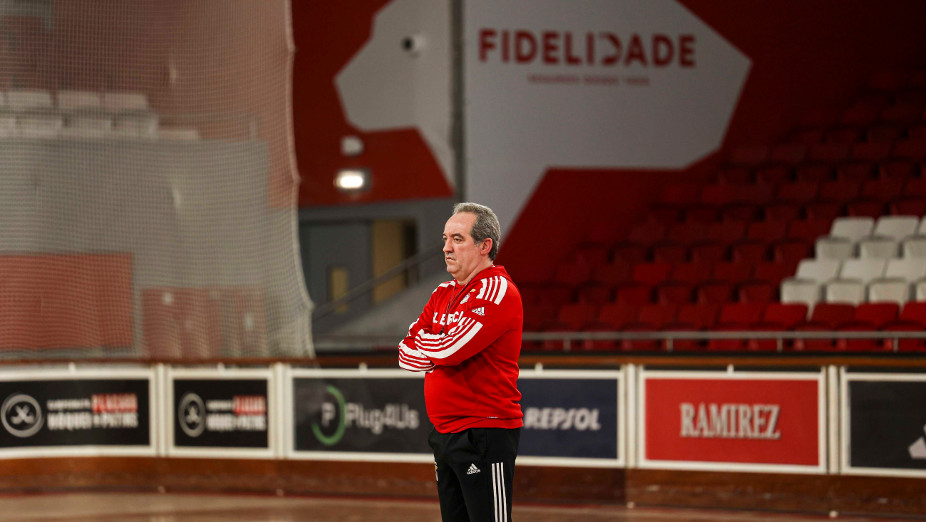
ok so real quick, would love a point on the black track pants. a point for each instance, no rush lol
(475, 472)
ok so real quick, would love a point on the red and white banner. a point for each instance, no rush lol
(732, 421)
(641, 84)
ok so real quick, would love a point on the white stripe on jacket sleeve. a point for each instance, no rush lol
(413, 360)
(442, 347)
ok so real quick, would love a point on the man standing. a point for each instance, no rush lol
(468, 339)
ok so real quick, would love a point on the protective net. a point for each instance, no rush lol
(147, 199)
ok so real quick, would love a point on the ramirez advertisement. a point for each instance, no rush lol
(745, 421)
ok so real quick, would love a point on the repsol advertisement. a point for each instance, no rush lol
(75, 412)
(223, 413)
(378, 415)
(887, 423)
(569, 417)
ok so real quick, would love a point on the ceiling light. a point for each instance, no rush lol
(352, 180)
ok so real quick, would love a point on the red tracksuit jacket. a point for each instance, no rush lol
(468, 340)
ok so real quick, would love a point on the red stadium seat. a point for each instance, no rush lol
(613, 273)
(866, 151)
(787, 153)
(692, 318)
(735, 174)
(783, 211)
(776, 173)
(686, 233)
(701, 214)
(882, 189)
(595, 293)
(726, 231)
(912, 318)
(778, 317)
(573, 316)
(868, 317)
(630, 253)
(813, 173)
(633, 293)
(828, 153)
(714, 292)
(664, 213)
(860, 115)
(792, 250)
(749, 251)
(572, 272)
(735, 317)
(843, 134)
(840, 191)
(898, 169)
(809, 229)
(798, 191)
(709, 252)
(719, 194)
(825, 317)
(865, 207)
(757, 292)
(691, 272)
(651, 318)
(740, 211)
(912, 206)
(681, 193)
(911, 149)
(670, 252)
(674, 293)
(774, 271)
(767, 231)
(828, 210)
(856, 171)
(651, 273)
(731, 271)
(616, 316)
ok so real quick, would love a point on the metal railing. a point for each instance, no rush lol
(409, 266)
(571, 339)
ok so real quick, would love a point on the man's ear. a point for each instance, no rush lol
(486, 246)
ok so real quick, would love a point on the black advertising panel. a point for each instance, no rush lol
(570, 417)
(75, 412)
(373, 415)
(220, 413)
(887, 424)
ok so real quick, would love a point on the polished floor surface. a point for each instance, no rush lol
(154, 507)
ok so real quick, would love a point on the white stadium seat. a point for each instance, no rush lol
(863, 270)
(915, 247)
(889, 290)
(800, 291)
(849, 291)
(852, 228)
(896, 227)
(829, 247)
(908, 269)
(819, 270)
(878, 247)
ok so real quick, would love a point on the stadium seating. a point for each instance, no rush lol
(824, 231)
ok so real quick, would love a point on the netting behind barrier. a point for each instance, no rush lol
(147, 190)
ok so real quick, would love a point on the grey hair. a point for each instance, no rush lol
(486, 225)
